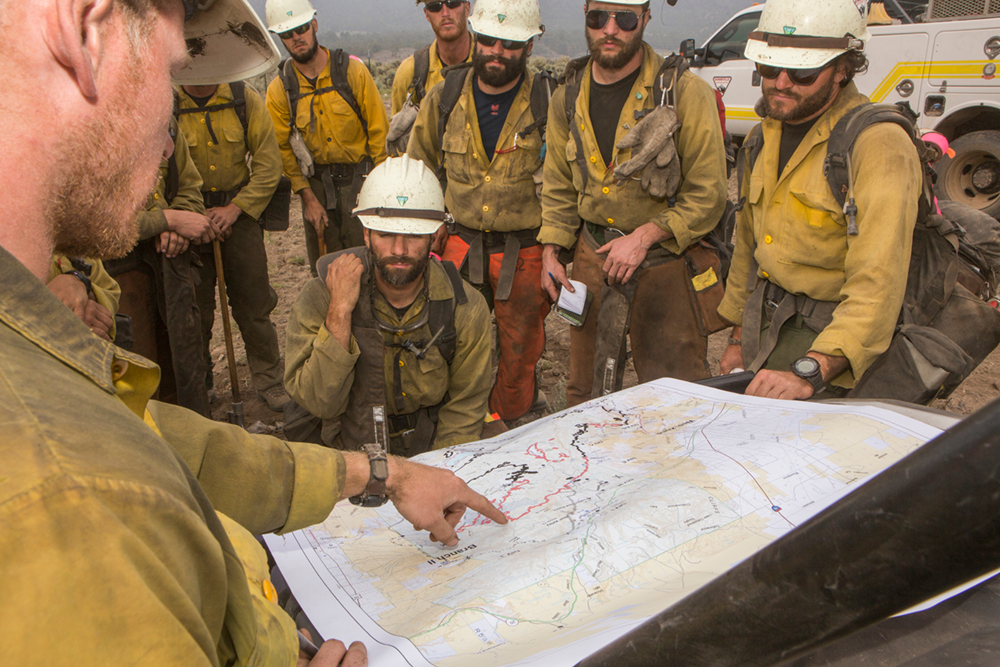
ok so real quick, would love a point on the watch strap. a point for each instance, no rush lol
(374, 494)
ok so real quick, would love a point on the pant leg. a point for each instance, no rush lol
(586, 269)
(205, 292)
(179, 309)
(351, 234)
(252, 299)
(521, 333)
(664, 330)
(138, 301)
(332, 232)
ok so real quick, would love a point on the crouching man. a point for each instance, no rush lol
(390, 343)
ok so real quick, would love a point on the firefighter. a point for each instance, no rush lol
(841, 287)
(391, 329)
(489, 153)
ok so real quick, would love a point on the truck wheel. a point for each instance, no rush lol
(972, 177)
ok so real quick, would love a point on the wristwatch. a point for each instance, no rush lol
(374, 494)
(809, 370)
(83, 278)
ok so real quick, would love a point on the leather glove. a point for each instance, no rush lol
(652, 144)
(399, 130)
(302, 154)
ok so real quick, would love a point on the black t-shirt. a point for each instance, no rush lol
(199, 101)
(492, 111)
(606, 104)
(791, 137)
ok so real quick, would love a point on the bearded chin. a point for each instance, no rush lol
(512, 69)
(307, 56)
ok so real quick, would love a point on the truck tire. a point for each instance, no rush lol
(972, 177)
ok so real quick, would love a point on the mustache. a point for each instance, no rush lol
(610, 40)
(394, 259)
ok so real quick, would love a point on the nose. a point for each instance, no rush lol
(783, 82)
(495, 50)
(398, 246)
(611, 27)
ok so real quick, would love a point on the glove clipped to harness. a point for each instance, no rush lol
(302, 154)
(654, 153)
(399, 129)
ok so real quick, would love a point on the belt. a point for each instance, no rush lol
(216, 199)
(600, 232)
(774, 304)
(482, 243)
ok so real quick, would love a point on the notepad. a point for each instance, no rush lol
(573, 306)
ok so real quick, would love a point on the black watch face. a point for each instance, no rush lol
(805, 367)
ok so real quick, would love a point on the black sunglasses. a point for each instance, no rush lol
(508, 44)
(301, 30)
(435, 7)
(598, 18)
(800, 77)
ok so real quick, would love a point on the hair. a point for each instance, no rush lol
(854, 62)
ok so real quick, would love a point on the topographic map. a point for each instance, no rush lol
(618, 508)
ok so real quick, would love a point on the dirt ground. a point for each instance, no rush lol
(287, 266)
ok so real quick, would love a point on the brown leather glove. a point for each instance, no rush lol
(653, 153)
(399, 130)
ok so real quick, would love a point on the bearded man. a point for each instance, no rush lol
(127, 523)
(844, 283)
(635, 251)
(389, 335)
(489, 152)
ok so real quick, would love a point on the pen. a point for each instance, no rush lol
(307, 646)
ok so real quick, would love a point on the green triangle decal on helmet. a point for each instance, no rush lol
(501, 17)
(402, 200)
(789, 29)
(288, 13)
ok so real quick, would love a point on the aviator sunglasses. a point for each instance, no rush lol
(508, 44)
(435, 7)
(301, 30)
(800, 77)
(598, 18)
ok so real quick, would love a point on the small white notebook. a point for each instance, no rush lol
(574, 302)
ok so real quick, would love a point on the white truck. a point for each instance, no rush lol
(940, 56)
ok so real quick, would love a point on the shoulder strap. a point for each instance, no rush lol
(442, 314)
(542, 87)
(573, 78)
(238, 89)
(666, 79)
(421, 69)
(290, 82)
(339, 62)
(454, 81)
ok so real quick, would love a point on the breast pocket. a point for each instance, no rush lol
(814, 233)
(456, 156)
(433, 378)
(526, 160)
(571, 157)
(235, 145)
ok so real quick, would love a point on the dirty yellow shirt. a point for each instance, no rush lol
(109, 531)
(319, 372)
(701, 197)
(404, 74)
(151, 220)
(338, 136)
(223, 166)
(494, 196)
(800, 233)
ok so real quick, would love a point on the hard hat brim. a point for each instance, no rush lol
(414, 226)
(227, 42)
(790, 57)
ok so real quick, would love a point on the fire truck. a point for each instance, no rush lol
(938, 56)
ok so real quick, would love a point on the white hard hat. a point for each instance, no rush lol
(283, 15)
(401, 196)
(803, 34)
(517, 20)
(227, 42)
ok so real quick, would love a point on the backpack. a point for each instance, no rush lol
(664, 92)
(945, 328)
(542, 88)
(421, 69)
(339, 62)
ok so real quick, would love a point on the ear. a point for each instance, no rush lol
(531, 45)
(367, 233)
(74, 32)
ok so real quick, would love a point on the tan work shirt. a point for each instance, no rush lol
(338, 137)
(494, 196)
(404, 74)
(319, 372)
(223, 164)
(701, 197)
(797, 232)
(109, 534)
(151, 220)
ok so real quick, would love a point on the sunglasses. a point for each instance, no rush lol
(301, 30)
(598, 18)
(435, 7)
(800, 77)
(508, 44)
